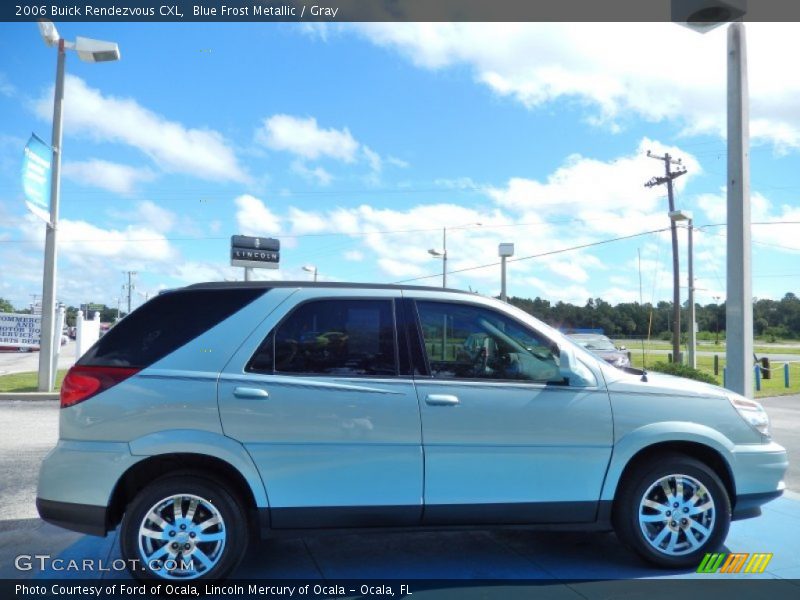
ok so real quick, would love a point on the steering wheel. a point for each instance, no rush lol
(480, 362)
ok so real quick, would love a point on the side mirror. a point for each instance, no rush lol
(573, 371)
(621, 348)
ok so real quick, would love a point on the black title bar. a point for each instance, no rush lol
(393, 10)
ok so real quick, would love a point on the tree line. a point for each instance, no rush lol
(773, 319)
(108, 314)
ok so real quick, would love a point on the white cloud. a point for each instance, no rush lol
(173, 147)
(574, 294)
(305, 138)
(354, 255)
(373, 159)
(397, 162)
(156, 217)
(6, 88)
(779, 237)
(459, 183)
(400, 268)
(656, 71)
(587, 184)
(80, 239)
(114, 177)
(304, 222)
(254, 218)
(318, 174)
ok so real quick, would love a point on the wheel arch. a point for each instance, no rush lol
(705, 454)
(691, 439)
(153, 467)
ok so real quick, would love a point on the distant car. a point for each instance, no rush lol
(603, 347)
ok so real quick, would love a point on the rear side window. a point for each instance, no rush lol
(164, 324)
(332, 337)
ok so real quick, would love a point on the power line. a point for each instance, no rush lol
(332, 234)
(551, 252)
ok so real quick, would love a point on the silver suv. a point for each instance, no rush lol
(222, 409)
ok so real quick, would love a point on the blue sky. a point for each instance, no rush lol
(356, 144)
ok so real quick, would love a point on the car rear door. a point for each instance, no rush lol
(323, 401)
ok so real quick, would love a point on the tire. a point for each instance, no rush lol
(207, 540)
(645, 516)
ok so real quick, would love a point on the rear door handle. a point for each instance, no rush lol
(248, 392)
(441, 400)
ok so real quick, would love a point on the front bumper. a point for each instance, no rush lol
(758, 472)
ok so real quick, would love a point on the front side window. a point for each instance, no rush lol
(332, 337)
(473, 342)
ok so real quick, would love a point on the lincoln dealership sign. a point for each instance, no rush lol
(258, 252)
(21, 331)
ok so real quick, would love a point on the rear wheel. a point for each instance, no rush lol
(183, 527)
(673, 512)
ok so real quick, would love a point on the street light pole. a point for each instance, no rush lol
(130, 288)
(739, 305)
(704, 15)
(46, 359)
(311, 269)
(88, 50)
(675, 216)
(443, 251)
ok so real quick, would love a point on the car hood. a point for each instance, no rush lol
(660, 383)
(606, 354)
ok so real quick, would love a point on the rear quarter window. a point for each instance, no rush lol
(164, 324)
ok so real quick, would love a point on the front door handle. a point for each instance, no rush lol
(247, 392)
(441, 400)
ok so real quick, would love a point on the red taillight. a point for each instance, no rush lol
(81, 383)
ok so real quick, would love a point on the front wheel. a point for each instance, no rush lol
(673, 512)
(183, 527)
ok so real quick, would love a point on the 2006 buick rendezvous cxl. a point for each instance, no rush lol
(222, 409)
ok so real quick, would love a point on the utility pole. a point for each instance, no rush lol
(676, 293)
(692, 333)
(130, 287)
(739, 304)
(444, 257)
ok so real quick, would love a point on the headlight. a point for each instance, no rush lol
(752, 412)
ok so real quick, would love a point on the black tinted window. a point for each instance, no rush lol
(332, 337)
(164, 324)
(473, 342)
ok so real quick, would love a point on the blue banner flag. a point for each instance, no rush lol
(36, 174)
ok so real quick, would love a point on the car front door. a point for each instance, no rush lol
(321, 402)
(506, 440)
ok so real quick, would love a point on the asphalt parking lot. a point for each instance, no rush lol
(22, 362)
(30, 429)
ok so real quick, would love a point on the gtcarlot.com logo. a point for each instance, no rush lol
(735, 562)
(45, 562)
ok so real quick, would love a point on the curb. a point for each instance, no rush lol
(29, 396)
